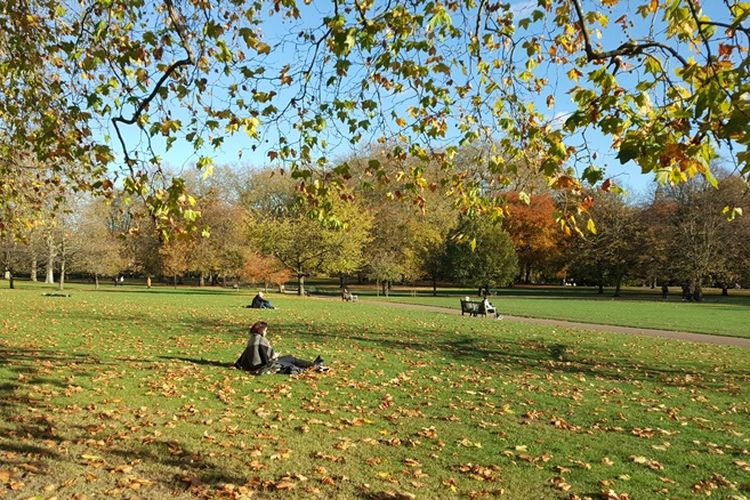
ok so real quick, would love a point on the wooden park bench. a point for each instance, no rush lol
(473, 308)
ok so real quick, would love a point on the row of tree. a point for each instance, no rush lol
(258, 231)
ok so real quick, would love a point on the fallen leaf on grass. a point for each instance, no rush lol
(428, 432)
(560, 483)
(391, 442)
(392, 495)
(479, 472)
(256, 466)
(612, 495)
(121, 469)
(385, 402)
(284, 484)
(332, 458)
(281, 454)
(469, 444)
(651, 464)
(16, 485)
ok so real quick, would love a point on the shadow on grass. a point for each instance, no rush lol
(32, 430)
(164, 290)
(191, 468)
(201, 361)
(24, 413)
(536, 355)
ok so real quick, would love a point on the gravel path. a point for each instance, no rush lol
(559, 323)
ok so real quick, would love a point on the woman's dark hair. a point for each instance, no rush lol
(258, 327)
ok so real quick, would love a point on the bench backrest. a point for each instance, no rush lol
(470, 306)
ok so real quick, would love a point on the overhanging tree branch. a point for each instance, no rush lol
(625, 49)
(143, 104)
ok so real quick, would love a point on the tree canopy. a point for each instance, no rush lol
(95, 91)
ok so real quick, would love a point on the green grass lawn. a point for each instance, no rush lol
(129, 392)
(721, 316)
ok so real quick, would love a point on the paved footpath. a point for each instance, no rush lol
(559, 323)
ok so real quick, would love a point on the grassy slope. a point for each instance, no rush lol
(115, 390)
(730, 317)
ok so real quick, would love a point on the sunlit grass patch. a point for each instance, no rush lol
(133, 391)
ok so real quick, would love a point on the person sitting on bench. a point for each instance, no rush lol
(489, 308)
(260, 303)
(347, 296)
(259, 356)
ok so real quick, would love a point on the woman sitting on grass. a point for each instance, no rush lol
(259, 357)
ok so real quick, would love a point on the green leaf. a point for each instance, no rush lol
(732, 213)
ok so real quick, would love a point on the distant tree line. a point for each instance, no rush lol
(258, 231)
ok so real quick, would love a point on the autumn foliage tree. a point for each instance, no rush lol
(609, 255)
(99, 250)
(265, 269)
(535, 234)
(175, 258)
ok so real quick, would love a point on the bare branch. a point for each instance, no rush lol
(626, 49)
(143, 104)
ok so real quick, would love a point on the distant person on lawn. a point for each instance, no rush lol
(260, 303)
(259, 357)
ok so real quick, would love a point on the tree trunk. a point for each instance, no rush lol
(34, 267)
(724, 290)
(96, 281)
(377, 287)
(11, 281)
(148, 281)
(527, 274)
(50, 259)
(202, 281)
(617, 289)
(61, 286)
(224, 280)
(174, 281)
(698, 292)
(601, 287)
(342, 281)
(434, 286)
(386, 287)
(301, 285)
